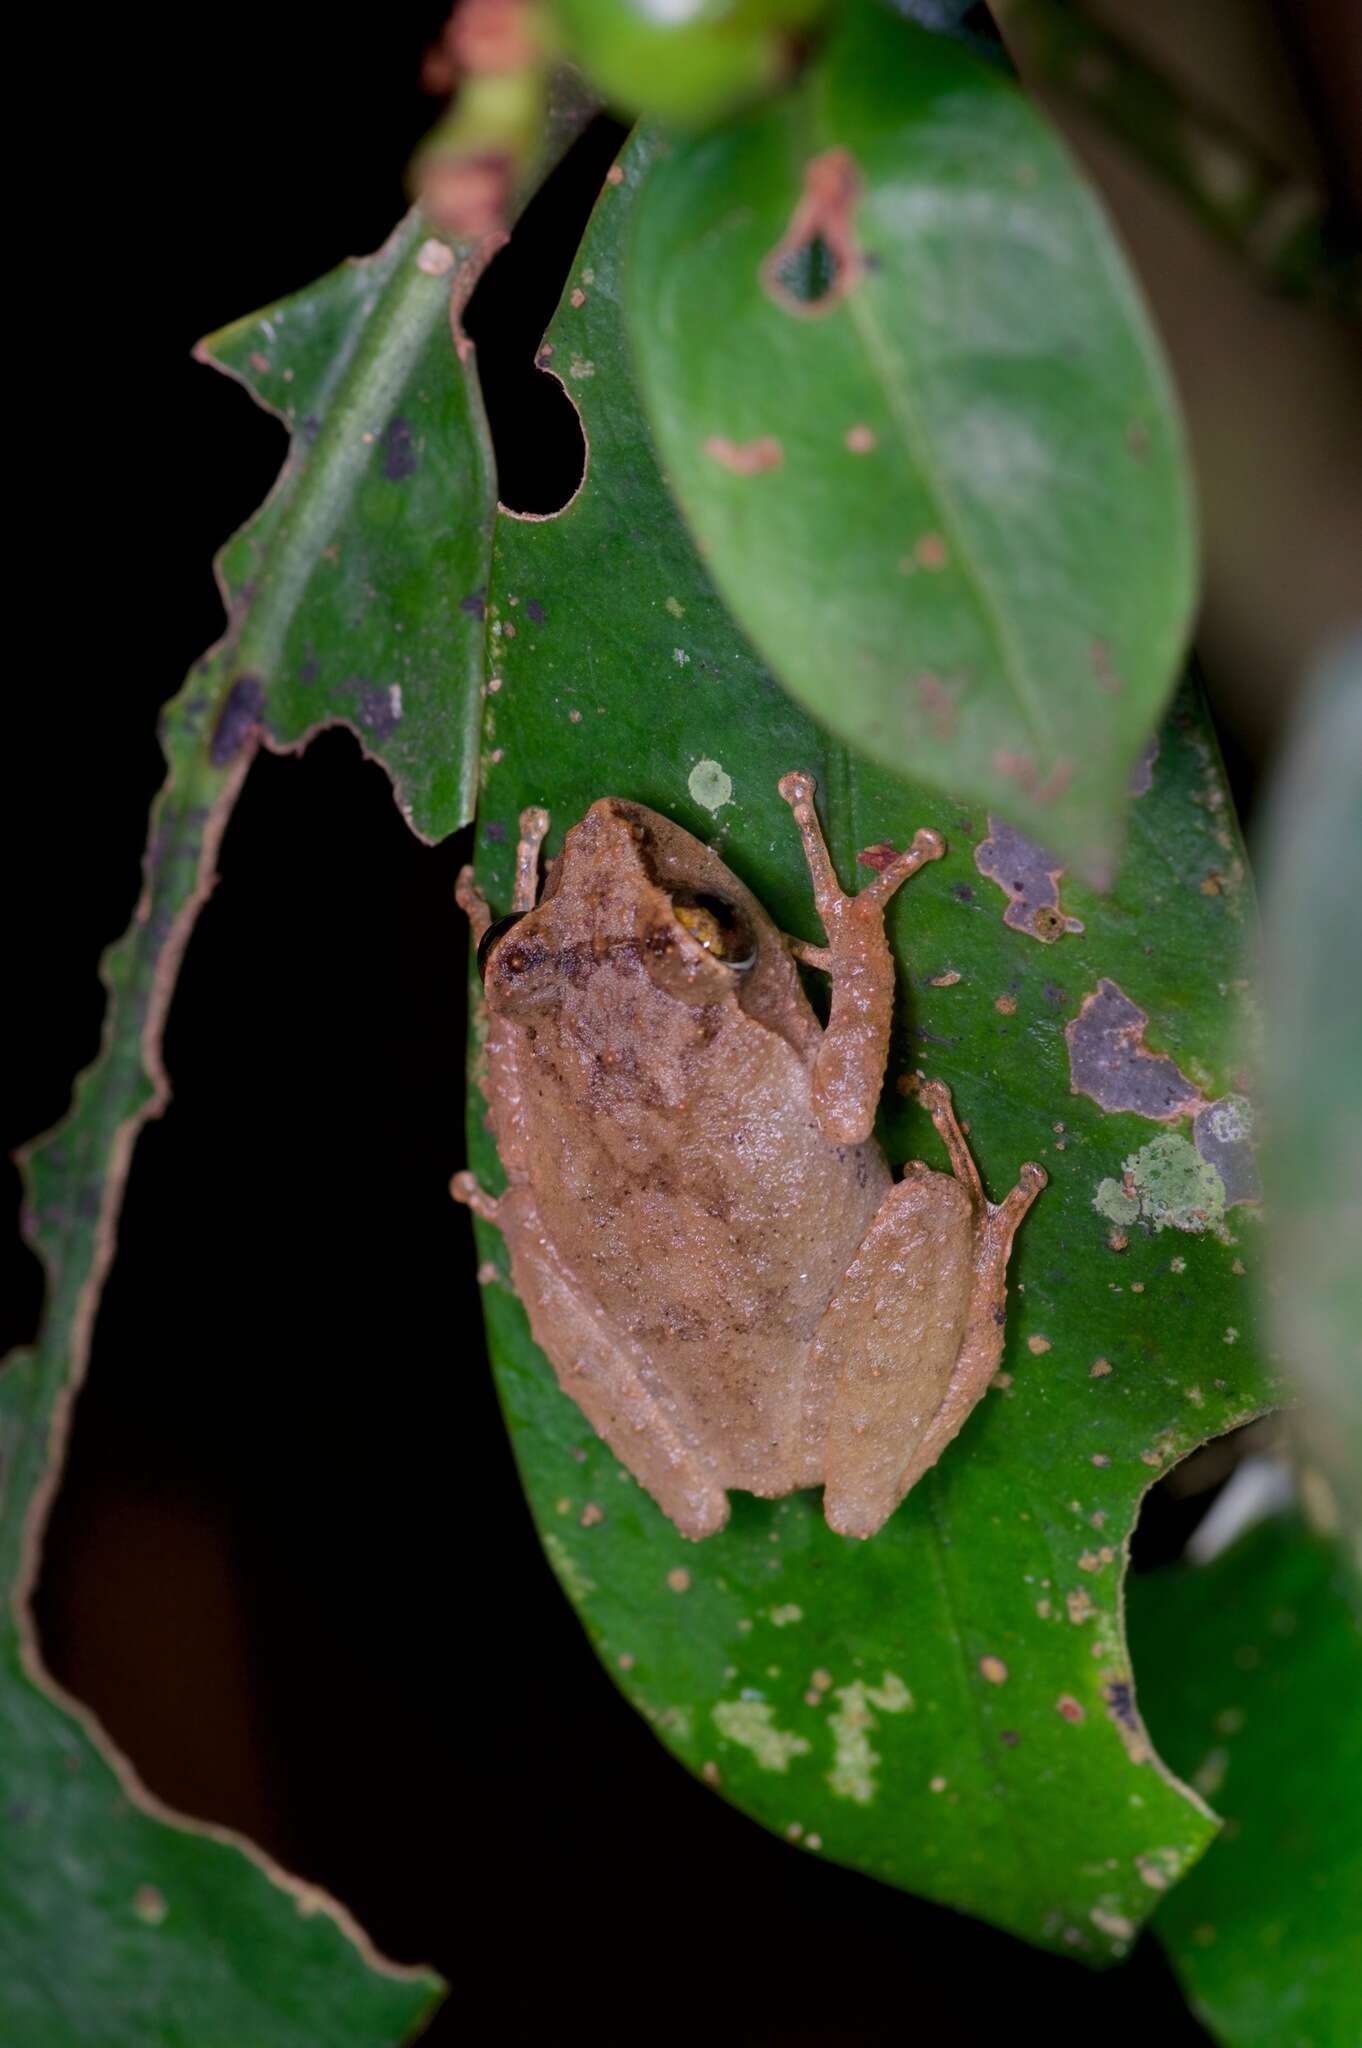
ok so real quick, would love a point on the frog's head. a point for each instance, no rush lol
(629, 890)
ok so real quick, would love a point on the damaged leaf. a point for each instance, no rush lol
(1252, 1678)
(343, 601)
(950, 1707)
(967, 545)
(346, 591)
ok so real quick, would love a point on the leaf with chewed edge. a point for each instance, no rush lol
(906, 393)
(950, 1706)
(353, 596)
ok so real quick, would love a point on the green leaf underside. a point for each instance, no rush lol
(344, 605)
(836, 1689)
(1252, 1678)
(973, 559)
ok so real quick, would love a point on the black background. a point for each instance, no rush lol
(290, 1565)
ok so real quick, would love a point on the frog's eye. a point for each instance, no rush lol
(716, 924)
(493, 935)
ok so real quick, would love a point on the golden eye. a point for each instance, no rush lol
(717, 925)
(494, 933)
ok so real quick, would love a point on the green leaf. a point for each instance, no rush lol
(1252, 1675)
(847, 1695)
(120, 1927)
(344, 604)
(1312, 861)
(905, 391)
(353, 590)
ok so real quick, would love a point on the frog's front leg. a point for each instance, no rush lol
(849, 1068)
(608, 1377)
(534, 824)
(913, 1337)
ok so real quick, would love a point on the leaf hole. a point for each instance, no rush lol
(536, 430)
(809, 273)
(818, 259)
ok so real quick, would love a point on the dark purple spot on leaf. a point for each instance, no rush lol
(475, 604)
(238, 719)
(1109, 1060)
(399, 450)
(534, 610)
(378, 709)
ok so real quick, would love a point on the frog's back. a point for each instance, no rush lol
(676, 1163)
(670, 1142)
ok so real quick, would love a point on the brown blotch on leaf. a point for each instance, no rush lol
(1022, 769)
(745, 458)
(1110, 1062)
(468, 196)
(1108, 677)
(1029, 877)
(817, 260)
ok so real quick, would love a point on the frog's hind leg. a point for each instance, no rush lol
(1000, 1219)
(534, 824)
(849, 1066)
(918, 1327)
(888, 1344)
(607, 1376)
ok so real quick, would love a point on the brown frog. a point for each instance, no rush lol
(704, 1232)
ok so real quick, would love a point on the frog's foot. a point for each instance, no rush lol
(472, 903)
(798, 790)
(849, 1067)
(534, 825)
(464, 1188)
(1003, 1216)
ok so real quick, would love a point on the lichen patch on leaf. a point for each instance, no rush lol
(1223, 1135)
(854, 1761)
(1166, 1184)
(710, 785)
(749, 1723)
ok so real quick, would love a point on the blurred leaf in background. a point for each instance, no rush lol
(904, 388)
(1251, 1676)
(1311, 856)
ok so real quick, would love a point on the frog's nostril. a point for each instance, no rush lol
(716, 924)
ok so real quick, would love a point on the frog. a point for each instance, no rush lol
(707, 1238)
